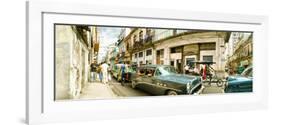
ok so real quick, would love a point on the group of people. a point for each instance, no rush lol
(101, 72)
(191, 69)
(201, 70)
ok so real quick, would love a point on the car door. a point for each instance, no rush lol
(140, 79)
(248, 84)
(155, 87)
(148, 79)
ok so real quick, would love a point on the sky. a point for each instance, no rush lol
(107, 36)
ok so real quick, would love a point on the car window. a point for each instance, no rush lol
(149, 71)
(247, 72)
(166, 70)
(251, 74)
(157, 73)
(142, 71)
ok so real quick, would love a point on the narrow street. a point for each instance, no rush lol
(98, 90)
(213, 89)
(169, 58)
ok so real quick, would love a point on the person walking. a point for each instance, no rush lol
(93, 72)
(186, 68)
(123, 68)
(109, 71)
(100, 72)
(104, 70)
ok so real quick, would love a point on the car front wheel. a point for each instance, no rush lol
(172, 93)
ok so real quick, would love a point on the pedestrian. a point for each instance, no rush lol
(186, 68)
(123, 69)
(240, 69)
(93, 72)
(104, 70)
(100, 72)
(109, 71)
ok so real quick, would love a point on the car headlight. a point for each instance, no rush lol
(188, 86)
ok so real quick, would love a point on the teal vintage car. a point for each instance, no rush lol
(240, 83)
(116, 72)
(164, 80)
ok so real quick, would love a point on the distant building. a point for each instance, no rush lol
(123, 46)
(241, 50)
(95, 45)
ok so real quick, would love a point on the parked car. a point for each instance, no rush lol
(116, 72)
(240, 83)
(164, 80)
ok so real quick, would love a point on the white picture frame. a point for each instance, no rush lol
(41, 108)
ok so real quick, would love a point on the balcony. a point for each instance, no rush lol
(81, 31)
(137, 45)
(148, 40)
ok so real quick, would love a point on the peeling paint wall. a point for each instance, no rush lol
(72, 63)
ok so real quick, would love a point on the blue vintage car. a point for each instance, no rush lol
(164, 80)
(240, 83)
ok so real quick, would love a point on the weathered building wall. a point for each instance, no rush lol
(64, 36)
(72, 64)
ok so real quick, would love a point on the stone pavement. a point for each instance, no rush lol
(97, 90)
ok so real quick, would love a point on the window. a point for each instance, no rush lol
(158, 73)
(208, 58)
(149, 52)
(148, 37)
(150, 71)
(172, 63)
(135, 38)
(173, 50)
(136, 55)
(160, 53)
(190, 62)
(127, 45)
(176, 50)
(141, 71)
(141, 54)
(148, 32)
(141, 36)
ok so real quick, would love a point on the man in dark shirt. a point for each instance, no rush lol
(93, 72)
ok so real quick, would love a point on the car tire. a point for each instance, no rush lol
(220, 83)
(172, 93)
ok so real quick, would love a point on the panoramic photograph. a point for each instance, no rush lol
(111, 62)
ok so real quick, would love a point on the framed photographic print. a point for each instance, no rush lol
(113, 62)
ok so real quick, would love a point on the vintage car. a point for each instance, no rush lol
(240, 83)
(164, 80)
(116, 72)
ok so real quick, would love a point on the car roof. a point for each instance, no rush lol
(203, 62)
(154, 66)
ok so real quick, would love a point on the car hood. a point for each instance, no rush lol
(177, 78)
(238, 79)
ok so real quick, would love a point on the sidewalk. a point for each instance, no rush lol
(97, 90)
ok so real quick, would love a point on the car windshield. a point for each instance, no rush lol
(166, 71)
(247, 72)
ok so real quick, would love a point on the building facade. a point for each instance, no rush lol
(178, 47)
(242, 52)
